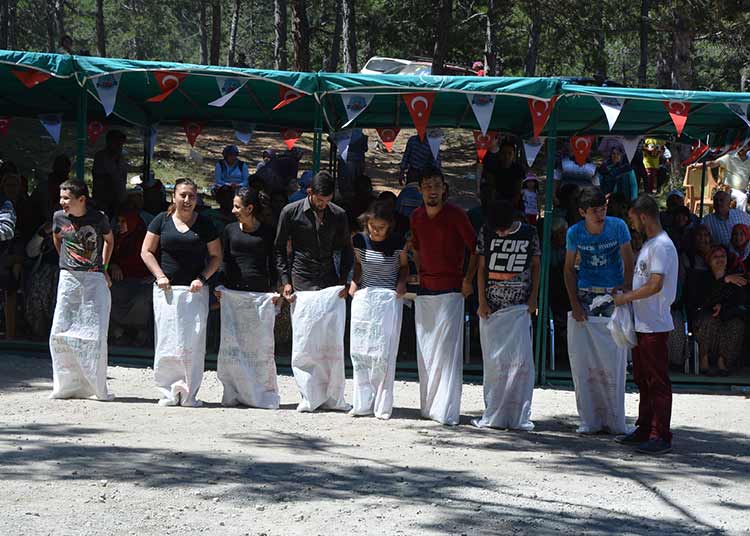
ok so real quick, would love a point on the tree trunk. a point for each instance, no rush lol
(4, 24)
(332, 63)
(279, 42)
(664, 69)
(300, 35)
(231, 56)
(442, 34)
(490, 48)
(59, 6)
(215, 51)
(643, 36)
(101, 36)
(12, 25)
(535, 33)
(350, 36)
(250, 33)
(682, 61)
(203, 20)
(744, 75)
(600, 42)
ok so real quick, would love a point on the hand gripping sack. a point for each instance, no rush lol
(621, 327)
(318, 324)
(508, 368)
(246, 363)
(180, 318)
(78, 338)
(598, 368)
(440, 351)
(374, 337)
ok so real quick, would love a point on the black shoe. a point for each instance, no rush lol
(632, 439)
(654, 446)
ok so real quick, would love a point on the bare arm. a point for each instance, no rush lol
(626, 251)
(214, 258)
(571, 285)
(109, 246)
(57, 241)
(357, 275)
(484, 308)
(148, 254)
(652, 286)
(403, 273)
(535, 272)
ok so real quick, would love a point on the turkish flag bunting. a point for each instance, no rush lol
(388, 136)
(31, 78)
(192, 131)
(4, 125)
(168, 82)
(540, 111)
(95, 129)
(287, 96)
(484, 142)
(678, 111)
(581, 146)
(420, 107)
(290, 136)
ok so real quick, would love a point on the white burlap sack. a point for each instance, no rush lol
(508, 369)
(440, 346)
(318, 325)
(598, 368)
(180, 318)
(246, 363)
(622, 327)
(78, 338)
(374, 337)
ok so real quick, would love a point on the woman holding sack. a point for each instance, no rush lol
(380, 273)
(189, 253)
(246, 365)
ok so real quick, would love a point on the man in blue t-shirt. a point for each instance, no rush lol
(606, 258)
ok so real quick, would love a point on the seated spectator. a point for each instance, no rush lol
(40, 291)
(267, 156)
(739, 249)
(45, 199)
(724, 218)
(617, 176)
(222, 216)
(501, 167)
(134, 200)
(679, 230)
(566, 206)
(401, 221)
(303, 183)
(675, 203)
(230, 170)
(154, 194)
(617, 206)
(110, 173)
(719, 317)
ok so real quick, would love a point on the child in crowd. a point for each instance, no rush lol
(531, 198)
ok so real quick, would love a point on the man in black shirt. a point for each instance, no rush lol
(501, 168)
(317, 228)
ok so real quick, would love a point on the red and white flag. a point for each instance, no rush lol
(540, 111)
(678, 111)
(4, 125)
(290, 136)
(192, 129)
(581, 146)
(287, 95)
(483, 142)
(388, 137)
(31, 78)
(420, 108)
(95, 128)
(168, 82)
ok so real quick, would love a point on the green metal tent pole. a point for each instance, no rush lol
(317, 136)
(81, 110)
(542, 320)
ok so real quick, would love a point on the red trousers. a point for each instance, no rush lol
(652, 180)
(651, 375)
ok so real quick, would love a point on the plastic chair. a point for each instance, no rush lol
(692, 184)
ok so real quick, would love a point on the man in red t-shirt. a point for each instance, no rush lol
(441, 233)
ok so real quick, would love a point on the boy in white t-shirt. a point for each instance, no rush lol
(654, 290)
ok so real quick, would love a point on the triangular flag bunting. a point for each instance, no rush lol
(697, 151)
(483, 142)
(168, 81)
(612, 107)
(243, 131)
(290, 136)
(106, 87)
(95, 128)
(678, 111)
(483, 105)
(4, 125)
(630, 144)
(740, 108)
(228, 87)
(31, 78)
(435, 138)
(531, 148)
(52, 124)
(420, 107)
(581, 146)
(540, 111)
(343, 138)
(151, 140)
(192, 131)
(355, 104)
(287, 95)
(388, 137)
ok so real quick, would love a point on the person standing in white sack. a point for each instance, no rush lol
(189, 253)
(441, 233)
(78, 338)
(508, 277)
(380, 272)
(654, 291)
(316, 229)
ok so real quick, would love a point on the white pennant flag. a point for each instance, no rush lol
(151, 140)
(630, 144)
(228, 87)
(53, 124)
(435, 138)
(532, 147)
(612, 107)
(343, 138)
(355, 104)
(483, 105)
(106, 88)
(243, 131)
(740, 108)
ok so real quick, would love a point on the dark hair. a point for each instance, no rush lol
(645, 204)
(387, 195)
(323, 184)
(114, 135)
(501, 215)
(379, 210)
(76, 188)
(591, 196)
(431, 172)
(249, 196)
(184, 181)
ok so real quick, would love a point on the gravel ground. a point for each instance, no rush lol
(83, 467)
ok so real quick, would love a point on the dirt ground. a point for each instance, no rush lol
(83, 467)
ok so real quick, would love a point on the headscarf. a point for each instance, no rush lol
(744, 250)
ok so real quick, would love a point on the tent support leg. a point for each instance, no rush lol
(81, 109)
(317, 137)
(703, 189)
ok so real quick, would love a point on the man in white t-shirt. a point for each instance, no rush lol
(654, 290)
(737, 174)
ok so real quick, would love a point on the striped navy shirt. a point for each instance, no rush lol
(379, 260)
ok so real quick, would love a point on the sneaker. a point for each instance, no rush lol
(654, 446)
(632, 439)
